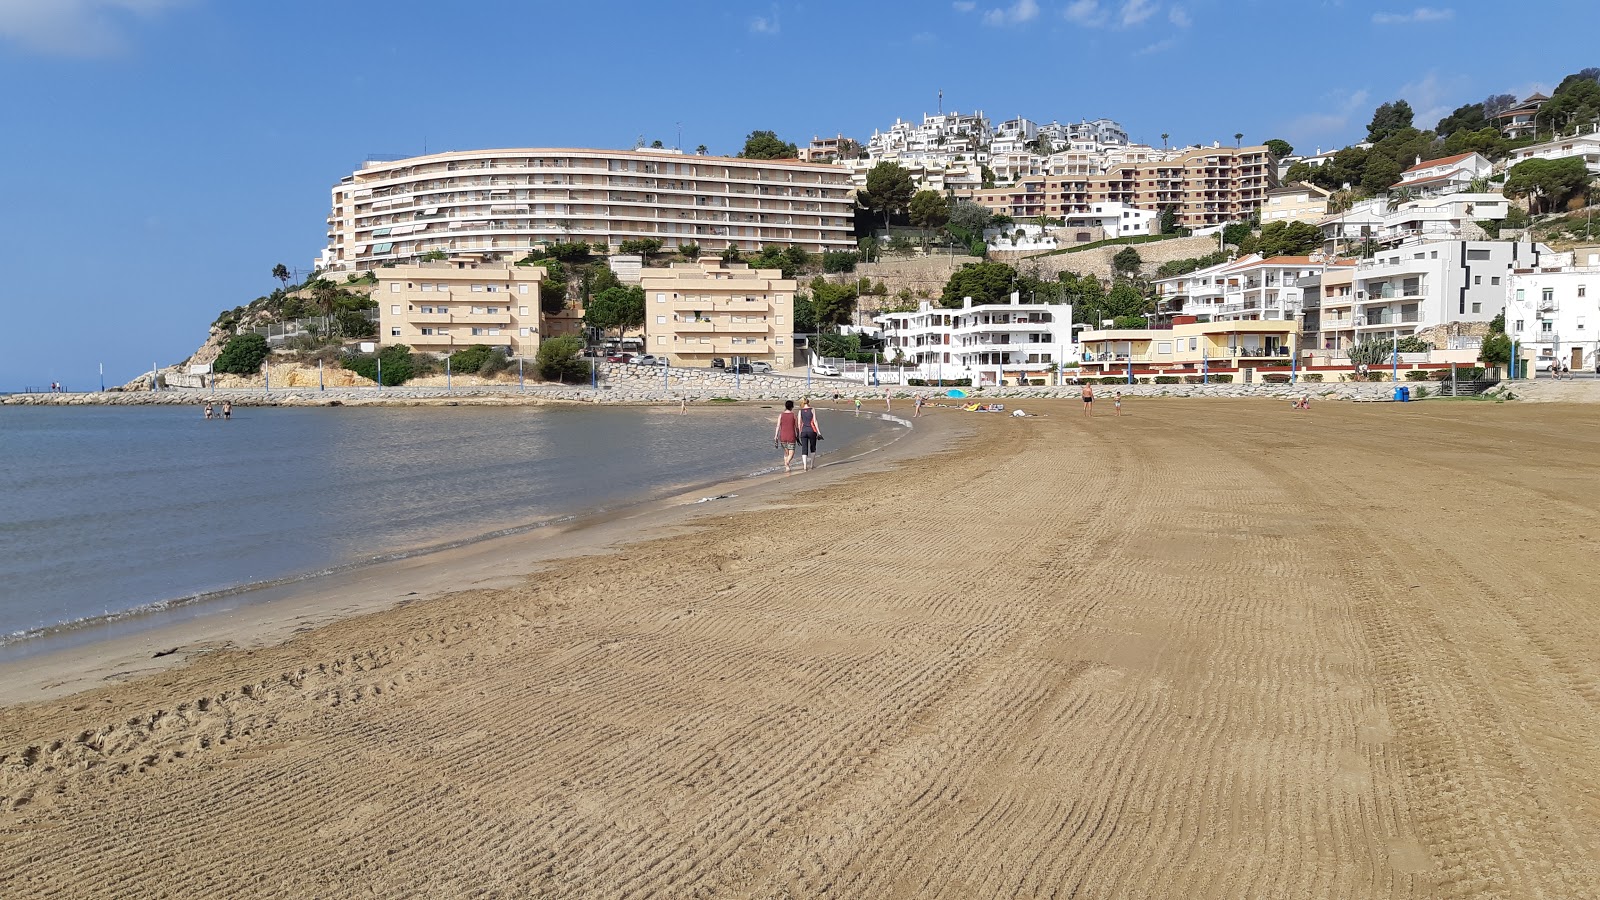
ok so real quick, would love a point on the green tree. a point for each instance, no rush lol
(690, 250)
(560, 359)
(1495, 350)
(929, 211)
(1288, 239)
(1126, 262)
(889, 189)
(832, 304)
(766, 145)
(1574, 102)
(396, 359)
(1235, 233)
(1389, 119)
(657, 145)
(731, 254)
(596, 278)
(553, 287)
(352, 323)
(615, 309)
(1280, 148)
(701, 150)
(984, 282)
(1126, 299)
(805, 315)
(1547, 183)
(968, 220)
(1130, 322)
(469, 360)
(281, 272)
(986, 175)
(1381, 172)
(645, 247)
(243, 355)
(1467, 117)
(836, 262)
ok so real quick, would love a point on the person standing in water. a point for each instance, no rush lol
(208, 410)
(227, 409)
(810, 433)
(787, 433)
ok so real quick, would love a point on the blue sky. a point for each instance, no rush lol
(159, 156)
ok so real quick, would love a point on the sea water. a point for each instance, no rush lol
(105, 511)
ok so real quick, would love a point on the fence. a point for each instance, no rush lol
(276, 332)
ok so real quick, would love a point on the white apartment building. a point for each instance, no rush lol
(1114, 220)
(1585, 146)
(1447, 217)
(1423, 283)
(500, 204)
(1450, 175)
(1553, 309)
(1198, 293)
(990, 343)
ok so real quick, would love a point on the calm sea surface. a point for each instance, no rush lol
(113, 509)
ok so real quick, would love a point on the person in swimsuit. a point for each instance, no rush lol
(918, 413)
(810, 433)
(1088, 400)
(787, 433)
(227, 409)
(1116, 401)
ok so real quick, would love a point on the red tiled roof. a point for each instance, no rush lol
(1430, 163)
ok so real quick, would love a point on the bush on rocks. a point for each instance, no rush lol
(1311, 376)
(243, 355)
(1170, 379)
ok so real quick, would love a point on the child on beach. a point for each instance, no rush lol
(858, 406)
(1116, 401)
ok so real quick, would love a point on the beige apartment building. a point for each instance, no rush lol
(441, 307)
(500, 204)
(1206, 185)
(1295, 202)
(696, 312)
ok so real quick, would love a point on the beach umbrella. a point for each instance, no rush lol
(955, 392)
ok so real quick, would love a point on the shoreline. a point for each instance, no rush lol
(41, 666)
(631, 394)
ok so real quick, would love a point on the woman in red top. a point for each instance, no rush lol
(787, 434)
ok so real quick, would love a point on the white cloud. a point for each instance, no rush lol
(1160, 46)
(965, 5)
(1330, 123)
(1430, 98)
(759, 24)
(1134, 12)
(1418, 16)
(1015, 14)
(74, 27)
(1179, 17)
(1085, 12)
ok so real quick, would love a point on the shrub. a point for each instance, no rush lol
(567, 252)
(1311, 376)
(1377, 376)
(243, 355)
(471, 359)
(1222, 379)
(690, 250)
(1419, 393)
(559, 359)
(1275, 378)
(1192, 379)
(1170, 379)
(1037, 382)
(1114, 379)
(835, 262)
(642, 246)
(398, 367)
(1418, 375)
(353, 324)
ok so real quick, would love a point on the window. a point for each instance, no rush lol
(494, 331)
(394, 310)
(427, 286)
(661, 298)
(1194, 343)
(394, 287)
(1494, 279)
(661, 320)
(1436, 255)
(522, 289)
(1548, 295)
(1477, 279)
(523, 332)
(661, 339)
(1477, 254)
(1520, 295)
(1164, 347)
(477, 289)
(395, 332)
(427, 331)
(1477, 307)
(1583, 290)
(1580, 323)
(1522, 325)
(522, 310)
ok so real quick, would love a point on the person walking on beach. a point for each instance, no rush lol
(787, 433)
(1116, 401)
(886, 407)
(683, 404)
(858, 407)
(1088, 400)
(227, 409)
(918, 413)
(810, 433)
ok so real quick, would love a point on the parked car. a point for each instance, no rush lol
(825, 369)
(742, 368)
(649, 360)
(719, 363)
(620, 358)
(761, 368)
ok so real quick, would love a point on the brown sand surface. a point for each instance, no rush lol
(1209, 649)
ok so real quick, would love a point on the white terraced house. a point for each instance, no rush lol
(500, 204)
(990, 343)
(1424, 283)
(1553, 310)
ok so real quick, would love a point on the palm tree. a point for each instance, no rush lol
(281, 272)
(1164, 137)
(1238, 136)
(1400, 197)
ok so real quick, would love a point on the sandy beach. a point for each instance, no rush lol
(1211, 648)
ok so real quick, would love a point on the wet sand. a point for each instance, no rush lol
(1207, 649)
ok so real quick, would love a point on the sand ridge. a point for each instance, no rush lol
(1211, 649)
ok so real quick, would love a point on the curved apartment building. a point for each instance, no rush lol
(499, 204)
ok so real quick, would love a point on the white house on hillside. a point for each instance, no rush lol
(1586, 146)
(989, 343)
(1449, 175)
(1553, 309)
